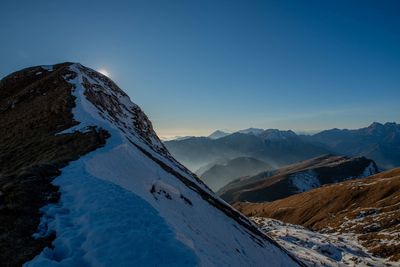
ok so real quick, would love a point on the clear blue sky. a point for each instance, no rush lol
(196, 66)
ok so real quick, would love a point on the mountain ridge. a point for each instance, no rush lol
(378, 141)
(296, 178)
(132, 166)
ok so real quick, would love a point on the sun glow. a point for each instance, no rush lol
(104, 72)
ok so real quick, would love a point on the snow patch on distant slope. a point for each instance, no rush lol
(305, 181)
(47, 67)
(369, 170)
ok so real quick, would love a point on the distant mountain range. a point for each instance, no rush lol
(297, 178)
(380, 142)
(277, 148)
(176, 138)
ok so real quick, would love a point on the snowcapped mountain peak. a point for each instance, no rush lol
(126, 200)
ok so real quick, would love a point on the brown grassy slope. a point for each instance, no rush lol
(327, 168)
(368, 207)
(34, 105)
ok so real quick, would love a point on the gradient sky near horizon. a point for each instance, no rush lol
(197, 66)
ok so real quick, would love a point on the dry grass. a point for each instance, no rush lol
(368, 208)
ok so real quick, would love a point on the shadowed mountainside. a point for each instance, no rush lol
(297, 178)
(221, 174)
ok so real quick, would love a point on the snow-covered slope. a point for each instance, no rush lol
(130, 203)
(317, 249)
(305, 181)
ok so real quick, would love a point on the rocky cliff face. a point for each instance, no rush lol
(86, 181)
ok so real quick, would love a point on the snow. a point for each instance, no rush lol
(47, 67)
(88, 115)
(118, 207)
(91, 211)
(305, 181)
(369, 170)
(317, 249)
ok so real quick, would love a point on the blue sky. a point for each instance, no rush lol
(196, 66)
